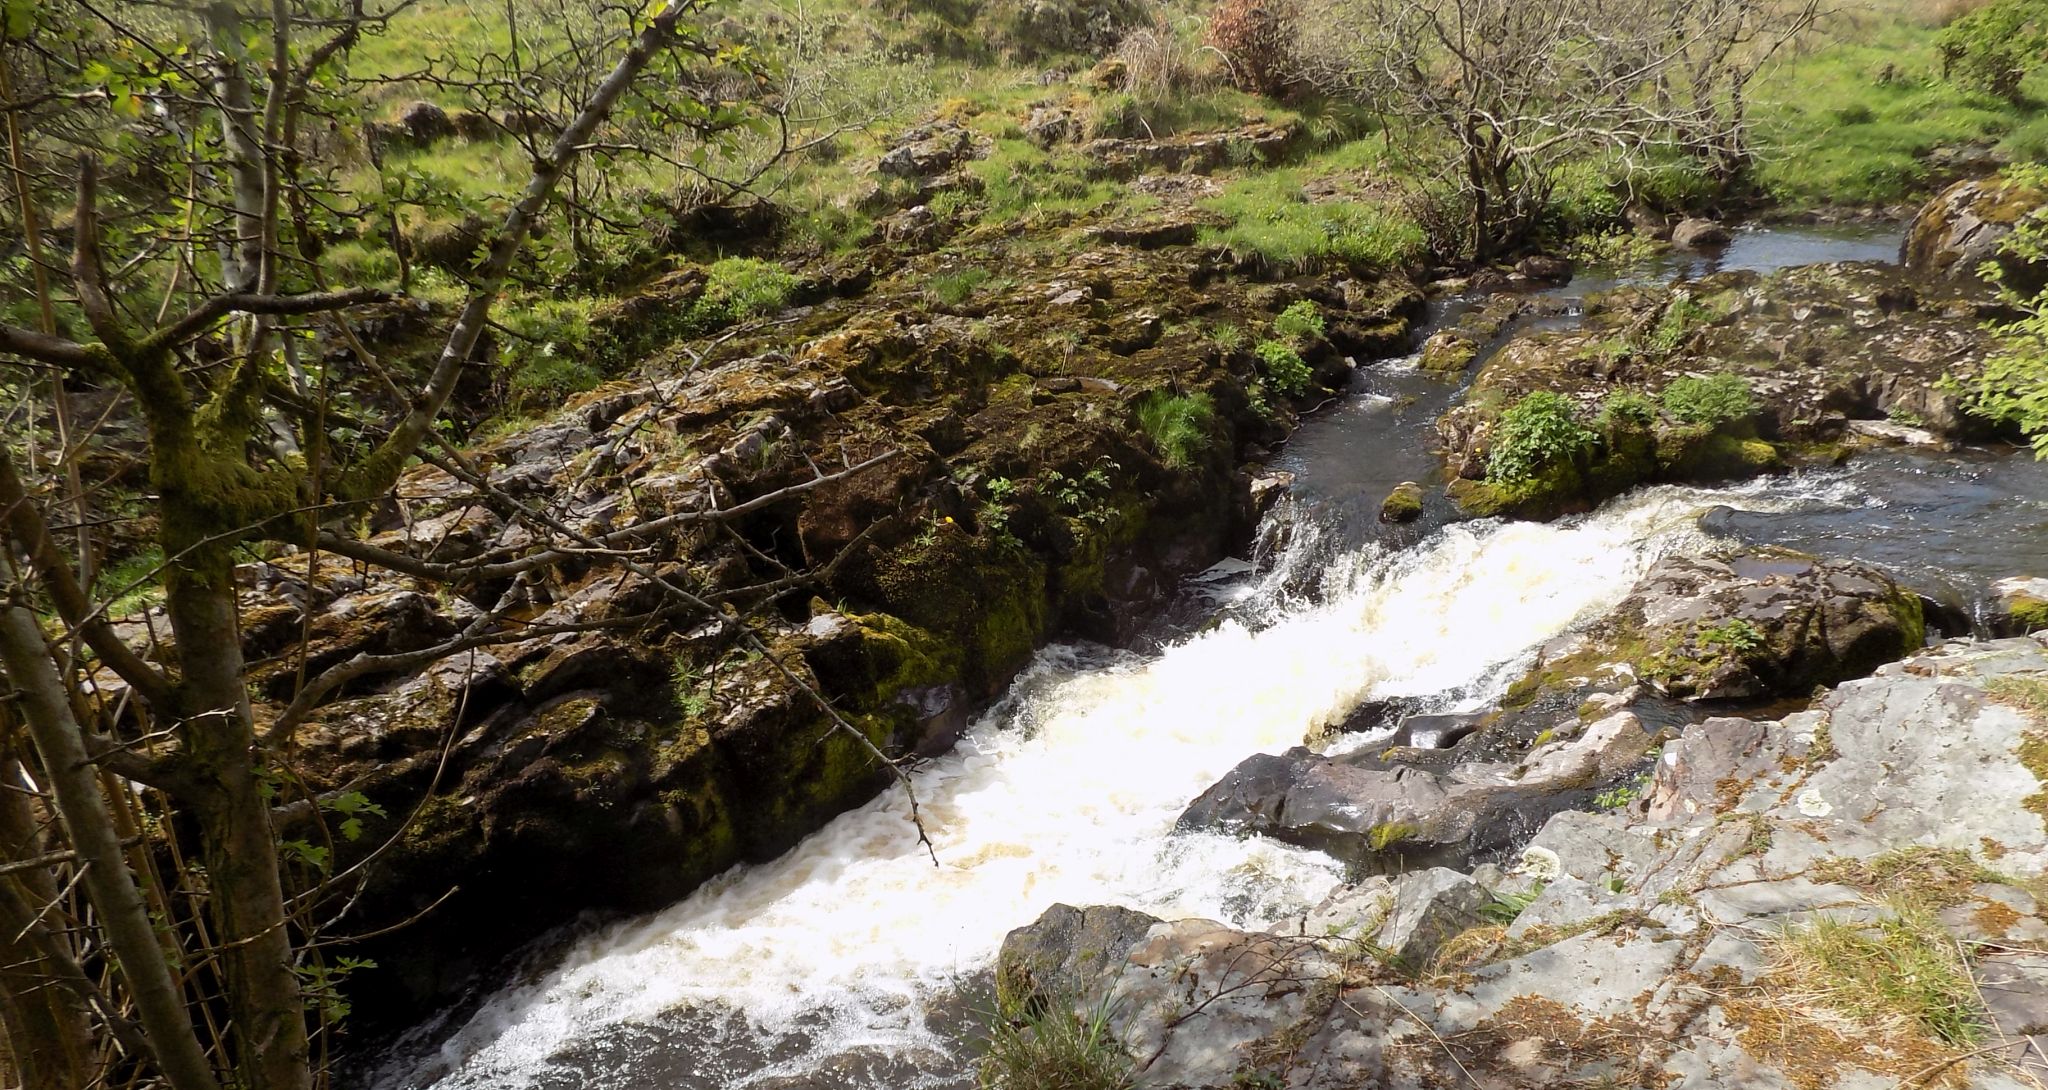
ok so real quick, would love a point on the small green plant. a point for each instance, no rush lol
(1227, 336)
(955, 288)
(1710, 401)
(1737, 636)
(1300, 323)
(1083, 497)
(1046, 1044)
(1629, 409)
(1284, 368)
(691, 689)
(1177, 424)
(1676, 323)
(2013, 386)
(1535, 433)
(738, 288)
(1621, 794)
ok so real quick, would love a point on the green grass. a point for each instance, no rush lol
(1047, 1045)
(955, 288)
(1836, 132)
(1177, 425)
(1268, 217)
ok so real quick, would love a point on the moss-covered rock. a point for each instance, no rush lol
(1403, 504)
(1956, 233)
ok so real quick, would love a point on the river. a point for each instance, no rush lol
(853, 962)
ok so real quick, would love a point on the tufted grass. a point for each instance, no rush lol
(1902, 975)
(1048, 1045)
(1178, 425)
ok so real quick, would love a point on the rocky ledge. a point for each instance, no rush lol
(1818, 360)
(1850, 895)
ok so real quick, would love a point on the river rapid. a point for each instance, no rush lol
(855, 962)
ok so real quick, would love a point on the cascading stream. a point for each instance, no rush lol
(1067, 792)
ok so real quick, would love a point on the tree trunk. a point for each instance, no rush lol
(246, 896)
(108, 883)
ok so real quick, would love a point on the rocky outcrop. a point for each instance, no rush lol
(1753, 919)
(1808, 355)
(644, 747)
(1956, 233)
(1751, 625)
(1455, 790)
(1193, 153)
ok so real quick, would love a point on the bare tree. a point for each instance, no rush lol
(1498, 94)
(193, 311)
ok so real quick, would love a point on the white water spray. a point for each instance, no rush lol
(1068, 792)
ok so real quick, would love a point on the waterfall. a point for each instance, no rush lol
(854, 944)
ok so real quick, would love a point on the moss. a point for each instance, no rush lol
(1386, 834)
(2029, 613)
(1403, 504)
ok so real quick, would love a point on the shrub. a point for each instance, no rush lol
(1628, 408)
(1256, 39)
(1177, 425)
(1995, 47)
(1284, 368)
(549, 352)
(737, 288)
(1711, 401)
(1535, 433)
(1302, 321)
(1678, 320)
(955, 288)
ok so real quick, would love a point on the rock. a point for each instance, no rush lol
(2019, 606)
(425, 123)
(1743, 624)
(1699, 234)
(1953, 235)
(1028, 30)
(1109, 74)
(914, 226)
(928, 151)
(1428, 909)
(1648, 222)
(1403, 504)
(1544, 269)
(1050, 125)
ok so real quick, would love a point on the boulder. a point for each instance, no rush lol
(2019, 605)
(1697, 233)
(1953, 235)
(1403, 504)
(1544, 269)
(1743, 624)
(928, 151)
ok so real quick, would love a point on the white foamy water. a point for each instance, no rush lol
(1068, 792)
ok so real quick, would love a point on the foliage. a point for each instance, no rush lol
(547, 353)
(1673, 326)
(1736, 635)
(1039, 1044)
(1284, 368)
(1995, 47)
(1300, 323)
(1621, 794)
(738, 288)
(1710, 401)
(1534, 433)
(1627, 408)
(2013, 387)
(1177, 424)
(1256, 38)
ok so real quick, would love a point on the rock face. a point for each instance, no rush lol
(1954, 234)
(1665, 943)
(643, 747)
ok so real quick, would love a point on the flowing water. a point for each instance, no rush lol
(854, 962)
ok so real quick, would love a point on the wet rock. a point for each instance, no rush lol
(1699, 234)
(1403, 504)
(1748, 624)
(1544, 269)
(1953, 235)
(1429, 908)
